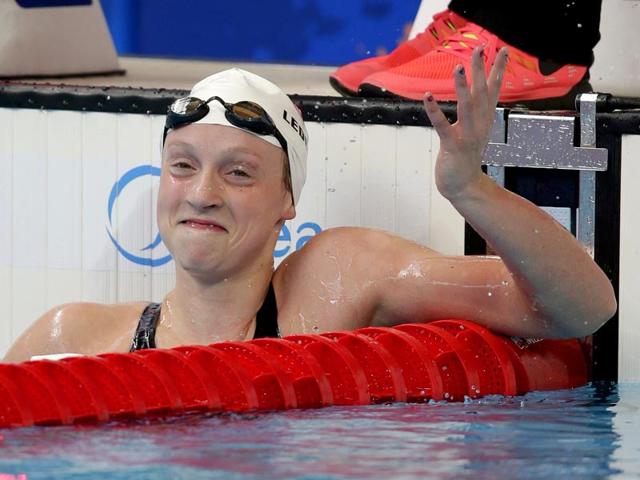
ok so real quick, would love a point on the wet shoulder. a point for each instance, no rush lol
(98, 327)
(346, 248)
(299, 265)
(86, 328)
(327, 280)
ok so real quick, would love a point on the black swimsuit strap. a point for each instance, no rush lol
(266, 322)
(145, 336)
(267, 317)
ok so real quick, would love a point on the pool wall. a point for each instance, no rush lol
(61, 168)
(629, 293)
(77, 197)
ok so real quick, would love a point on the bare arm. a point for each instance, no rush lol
(545, 283)
(569, 294)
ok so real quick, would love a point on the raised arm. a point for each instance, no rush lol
(569, 292)
(543, 284)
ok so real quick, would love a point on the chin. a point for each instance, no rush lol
(196, 258)
(201, 268)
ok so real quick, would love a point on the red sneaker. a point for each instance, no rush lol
(527, 80)
(347, 78)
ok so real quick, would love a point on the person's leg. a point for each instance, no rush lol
(563, 31)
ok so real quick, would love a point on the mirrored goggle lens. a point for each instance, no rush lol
(186, 106)
(248, 111)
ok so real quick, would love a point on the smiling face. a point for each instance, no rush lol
(222, 198)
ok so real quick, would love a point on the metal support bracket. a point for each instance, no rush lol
(544, 141)
(498, 136)
(547, 141)
(587, 195)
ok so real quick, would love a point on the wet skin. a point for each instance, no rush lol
(221, 205)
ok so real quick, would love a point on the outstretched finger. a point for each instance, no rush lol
(479, 90)
(465, 106)
(437, 118)
(496, 75)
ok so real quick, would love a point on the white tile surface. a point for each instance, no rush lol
(377, 195)
(629, 293)
(65, 165)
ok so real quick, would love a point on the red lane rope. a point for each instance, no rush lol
(446, 359)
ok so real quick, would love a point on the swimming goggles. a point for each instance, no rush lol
(245, 114)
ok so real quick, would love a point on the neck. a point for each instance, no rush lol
(201, 311)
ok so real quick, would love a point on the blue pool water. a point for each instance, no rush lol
(588, 433)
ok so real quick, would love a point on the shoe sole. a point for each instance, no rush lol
(564, 102)
(369, 90)
(341, 89)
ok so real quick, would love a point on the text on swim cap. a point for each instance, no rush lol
(295, 125)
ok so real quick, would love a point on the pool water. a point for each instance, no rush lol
(590, 432)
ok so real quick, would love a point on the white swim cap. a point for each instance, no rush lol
(236, 85)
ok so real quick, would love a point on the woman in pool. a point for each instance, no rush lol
(232, 172)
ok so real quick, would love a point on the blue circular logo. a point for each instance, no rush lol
(117, 189)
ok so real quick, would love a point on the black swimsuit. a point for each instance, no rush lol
(266, 323)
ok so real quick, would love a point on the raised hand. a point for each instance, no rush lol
(463, 143)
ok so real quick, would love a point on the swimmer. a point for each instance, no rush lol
(233, 165)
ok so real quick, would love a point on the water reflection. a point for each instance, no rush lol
(626, 424)
(590, 432)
